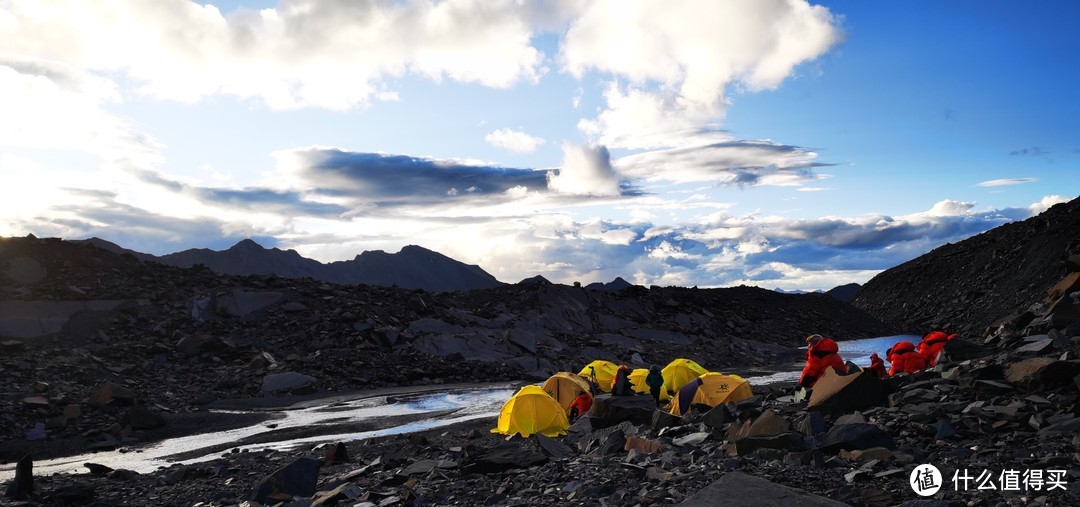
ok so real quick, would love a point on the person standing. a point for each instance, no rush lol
(655, 381)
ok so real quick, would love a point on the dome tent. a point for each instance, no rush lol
(711, 389)
(605, 372)
(637, 380)
(564, 387)
(677, 374)
(532, 411)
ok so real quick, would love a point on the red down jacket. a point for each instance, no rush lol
(932, 344)
(905, 359)
(877, 365)
(819, 356)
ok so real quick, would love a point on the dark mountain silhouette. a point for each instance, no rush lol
(615, 285)
(969, 285)
(844, 292)
(413, 267)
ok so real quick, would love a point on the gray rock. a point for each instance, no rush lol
(856, 436)
(22, 485)
(507, 455)
(298, 478)
(693, 439)
(278, 382)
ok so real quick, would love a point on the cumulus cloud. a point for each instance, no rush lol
(1045, 203)
(513, 140)
(1005, 182)
(586, 170)
(694, 51)
(321, 53)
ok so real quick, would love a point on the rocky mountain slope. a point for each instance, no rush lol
(413, 267)
(968, 285)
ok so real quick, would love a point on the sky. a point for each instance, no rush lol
(776, 143)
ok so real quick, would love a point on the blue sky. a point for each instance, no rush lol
(776, 143)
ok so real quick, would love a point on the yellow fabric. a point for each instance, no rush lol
(532, 411)
(565, 387)
(678, 373)
(637, 380)
(715, 389)
(605, 371)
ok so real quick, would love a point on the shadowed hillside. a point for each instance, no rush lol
(968, 285)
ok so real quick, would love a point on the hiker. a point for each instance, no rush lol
(932, 344)
(904, 358)
(655, 381)
(620, 383)
(821, 353)
(580, 405)
(877, 366)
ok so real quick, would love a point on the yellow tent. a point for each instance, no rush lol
(532, 411)
(678, 373)
(637, 380)
(605, 372)
(564, 387)
(712, 390)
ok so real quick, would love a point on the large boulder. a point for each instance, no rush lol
(850, 437)
(505, 456)
(608, 410)
(298, 478)
(287, 381)
(1040, 373)
(840, 394)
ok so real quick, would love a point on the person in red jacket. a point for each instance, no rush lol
(821, 353)
(905, 359)
(931, 346)
(580, 405)
(877, 366)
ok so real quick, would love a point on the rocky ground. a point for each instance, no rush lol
(999, 418)
(101, 350)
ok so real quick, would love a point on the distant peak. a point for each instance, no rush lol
(247, 244)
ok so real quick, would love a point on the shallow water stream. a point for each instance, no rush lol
(369, 417)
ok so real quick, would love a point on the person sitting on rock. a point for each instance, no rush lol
(877, 366)
(655, 381)
(620, 383)
(905, 359)
(821, 353)
(580, 405)
(932, 344)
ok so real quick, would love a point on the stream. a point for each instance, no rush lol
(369, 417)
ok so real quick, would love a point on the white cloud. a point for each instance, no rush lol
(54, 106)
(586, 170)
(1045, 203)
(693, 51)
(1005, 182)
(513, 140)
(320, 53)
(724, 163)
(950, 208)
